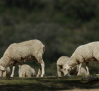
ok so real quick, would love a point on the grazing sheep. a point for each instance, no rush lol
(23, 52)
(27, 71)
(83, 54)
(60, 63)
(6, 73)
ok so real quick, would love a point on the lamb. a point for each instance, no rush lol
(7, 72)
(60, 63)
(23, 52)
(27, 71)
(83, 54)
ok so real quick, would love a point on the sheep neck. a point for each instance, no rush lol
(72, 62)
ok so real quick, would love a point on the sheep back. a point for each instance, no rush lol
(62, 60)
(85, 53)
(24, 51)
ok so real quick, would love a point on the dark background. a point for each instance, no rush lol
(61, 25)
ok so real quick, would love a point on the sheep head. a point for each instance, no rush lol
(2, 69)
(66, 70)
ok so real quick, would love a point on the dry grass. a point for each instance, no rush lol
(47, 83)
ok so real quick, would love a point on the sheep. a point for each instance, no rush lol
(27, 71)
(23, 52)
(83, 54)
(6, 73)
(60, 63)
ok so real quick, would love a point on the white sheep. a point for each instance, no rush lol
(83, 54)
(7, 72)
(26, 71)
(23, 52)
(60, 63)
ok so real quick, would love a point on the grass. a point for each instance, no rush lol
(46, 83)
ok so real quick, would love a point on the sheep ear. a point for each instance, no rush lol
(2, 68)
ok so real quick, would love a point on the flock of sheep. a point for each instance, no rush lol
(32, 50)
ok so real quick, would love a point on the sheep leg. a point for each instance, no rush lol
(87, 68)
(12, 75)
(20, 73)
(39, 70)
(4, 74)
(79, 69)
(58, 71)
(43, 67)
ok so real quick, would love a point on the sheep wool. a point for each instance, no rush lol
(85, 54)
(27, 71)
(60, 67)
(24, 52)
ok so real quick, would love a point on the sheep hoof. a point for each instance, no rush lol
(42, 75)
(88, 74)
(78, 74)
(11, 76)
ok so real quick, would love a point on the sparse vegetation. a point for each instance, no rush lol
(47, 83)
